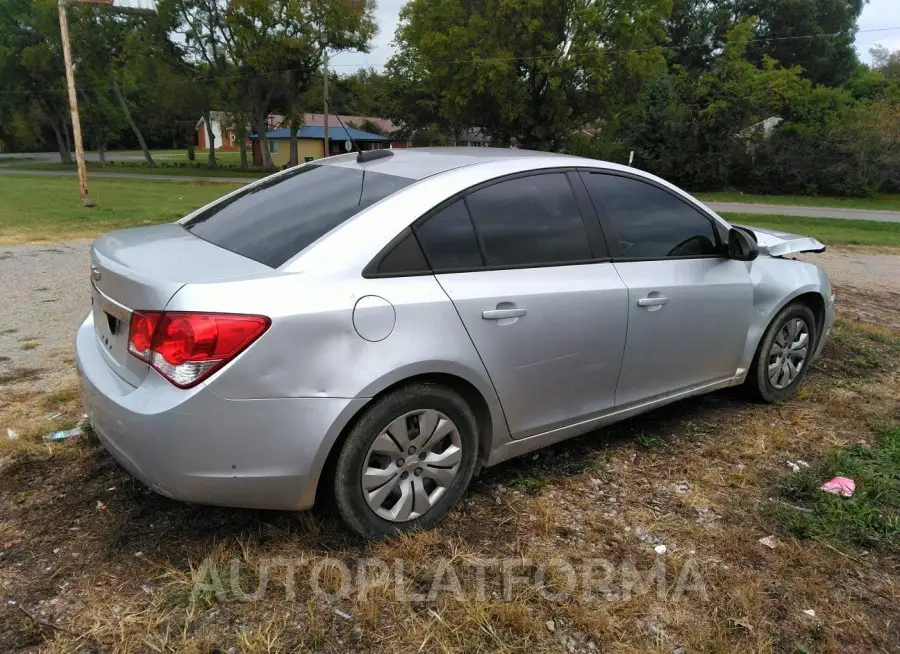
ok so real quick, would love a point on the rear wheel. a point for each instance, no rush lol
(406, 462)
(784, 355)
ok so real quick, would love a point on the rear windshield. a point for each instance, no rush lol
(276, 219)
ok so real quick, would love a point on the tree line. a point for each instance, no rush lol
(762, 95)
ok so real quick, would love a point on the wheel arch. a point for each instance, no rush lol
(491, 427)
(810, 296)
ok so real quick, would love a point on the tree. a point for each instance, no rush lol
(275, 49)
(817, 35)
(886, 62)
(527, 70)
(31, 66)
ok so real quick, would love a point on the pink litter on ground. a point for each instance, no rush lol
(839, 486)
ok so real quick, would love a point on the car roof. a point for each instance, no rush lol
(419, 163)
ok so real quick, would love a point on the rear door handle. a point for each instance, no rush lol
(656, 301)
(500, 314)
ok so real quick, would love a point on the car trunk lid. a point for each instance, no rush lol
(140, 270)
(780, 244)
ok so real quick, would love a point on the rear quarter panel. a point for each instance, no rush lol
(313, 349)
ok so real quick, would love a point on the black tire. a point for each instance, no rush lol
(758, 383)
(349, 498)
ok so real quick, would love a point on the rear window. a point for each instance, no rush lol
(276, 219)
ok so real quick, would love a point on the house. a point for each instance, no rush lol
(384, 126)
(473, 137)
(310, 143)
(763, 128)
(224, 137)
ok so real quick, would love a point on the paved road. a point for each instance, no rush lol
(815, 212)
(721, 207)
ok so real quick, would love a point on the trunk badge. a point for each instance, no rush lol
(95, 273)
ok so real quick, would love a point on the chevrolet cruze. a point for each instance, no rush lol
(375, 329)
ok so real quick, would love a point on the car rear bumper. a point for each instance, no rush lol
(195, 446)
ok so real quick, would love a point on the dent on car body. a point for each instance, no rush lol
(779, 244)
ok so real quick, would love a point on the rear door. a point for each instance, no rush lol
(534, 287)
(689, 306)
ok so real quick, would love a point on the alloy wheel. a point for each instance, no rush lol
(411, 464)
(788, 353)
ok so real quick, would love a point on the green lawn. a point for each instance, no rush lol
(871, 518)
(164, 167)
(885, 201)
(49, 208)
(831, 231)
(42, 208)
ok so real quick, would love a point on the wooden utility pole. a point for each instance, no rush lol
(325, 98)
(73, 104)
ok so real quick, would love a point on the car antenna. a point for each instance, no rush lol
(361, 157)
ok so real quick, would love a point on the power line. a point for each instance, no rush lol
(478, 60)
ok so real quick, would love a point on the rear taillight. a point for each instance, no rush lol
(186, 348)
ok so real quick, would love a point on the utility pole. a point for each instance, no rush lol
(124, 5)
(73, 104)
(324, 97)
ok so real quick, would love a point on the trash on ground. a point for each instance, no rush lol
(839, 486)
(802, 463)
(346, 616)
(660, 549)
(12, 433)
(63, 435)
(794, 466)
(810, 612)
(52, 416)
(769, 541)
(101, 506)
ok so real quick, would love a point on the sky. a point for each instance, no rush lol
(877, 15)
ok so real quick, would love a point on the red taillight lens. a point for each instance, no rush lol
(140, 333)
(185, 348)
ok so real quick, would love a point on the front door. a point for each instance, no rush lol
(689, 307)
(544, 308)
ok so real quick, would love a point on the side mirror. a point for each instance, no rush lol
(742, 245)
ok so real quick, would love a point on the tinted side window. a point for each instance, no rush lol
(448, 239)
(405, 258)
(650, 223)
(276, 219)
(529, 221)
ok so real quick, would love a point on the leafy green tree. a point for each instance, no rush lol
(886, 62)
(31, 66)
(527, 70)
(277, 48)
(817, 35)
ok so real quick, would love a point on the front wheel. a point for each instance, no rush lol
(784, 355)
(406, 462)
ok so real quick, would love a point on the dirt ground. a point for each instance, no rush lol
(91, 560)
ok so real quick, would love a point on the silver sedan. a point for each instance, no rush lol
(375, 329)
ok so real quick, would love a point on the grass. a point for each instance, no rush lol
(48, 208)
(884, 201)
(830, 231)
(19, 375)
(869, 519)
(164, 167)
(74, 567)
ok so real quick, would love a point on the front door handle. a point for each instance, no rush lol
(501, 314)
(655, 301)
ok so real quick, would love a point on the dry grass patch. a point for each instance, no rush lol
(705, 478)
